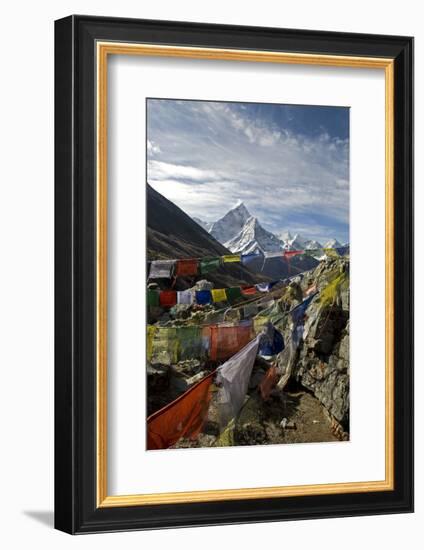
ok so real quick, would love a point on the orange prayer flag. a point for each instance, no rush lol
(184, 417)
(268, 382)
(187, 268)
(227, 341)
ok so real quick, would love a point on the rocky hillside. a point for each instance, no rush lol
(310, 401)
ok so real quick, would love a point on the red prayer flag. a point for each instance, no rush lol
(268, 382)
(168, 298)
(291, 253)
(248, 290)
(184, 417)
(227, 341)
(187, 268)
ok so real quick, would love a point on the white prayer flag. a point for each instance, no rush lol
(233, 379)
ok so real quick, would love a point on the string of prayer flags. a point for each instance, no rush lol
(185, 297)
(231, 258)
(152, 297)
(233, 379)
(161, 269)
(268, 382)
(184, 417)
(203, 297)
(168, 298)
(272, 342)
(187, 268)
(233, 293)
(209, 264)
(219, 295)
(225, 341)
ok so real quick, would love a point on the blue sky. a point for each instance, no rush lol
(289, 164)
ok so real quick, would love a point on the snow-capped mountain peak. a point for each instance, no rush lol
(332, 243)
(253, 238)
(231, 224)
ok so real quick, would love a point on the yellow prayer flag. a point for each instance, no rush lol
(219, 295)
(151, 330)
(229, 258)
(259, 324)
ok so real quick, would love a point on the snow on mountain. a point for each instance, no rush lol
(253, 238)
(312, 245)
(241, 232)
(227, 227)
(332, 243)
(205, 225)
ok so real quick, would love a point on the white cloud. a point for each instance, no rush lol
(213, 154)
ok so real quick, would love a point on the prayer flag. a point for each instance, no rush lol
(168, 298)
(187, 268)
(161, 269)
(268, 382)
(290, 253)
(299, 311)
(164, 345)
(259, 323)
(209, 264)
(278, 254)
(225, 341)
(233, 379)
(230, 258)
(203, 297)
(219, 295)
(185, 297)
(233, 293)
(151, 331)
(262, 287)
(272, 342)
(311, 290)
(248, 290)
(184, 417)
(190, 342)
(250, 310)
(152, 297)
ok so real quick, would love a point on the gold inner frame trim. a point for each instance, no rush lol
(104, 49)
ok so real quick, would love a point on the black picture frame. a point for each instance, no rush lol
(76, 510)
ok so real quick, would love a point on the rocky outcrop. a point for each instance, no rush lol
(321, 361)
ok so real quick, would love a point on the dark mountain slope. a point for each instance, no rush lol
(171, 233)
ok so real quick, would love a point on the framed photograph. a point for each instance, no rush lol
(233, 265)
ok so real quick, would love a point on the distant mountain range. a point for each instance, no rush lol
(241, 232)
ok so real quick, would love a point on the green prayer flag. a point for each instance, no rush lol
(190, 342)
(209, 264)
(233, 293)
(152, 297)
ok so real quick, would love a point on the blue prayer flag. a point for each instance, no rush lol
(299, 311)
(272, 342)
(203, 297)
